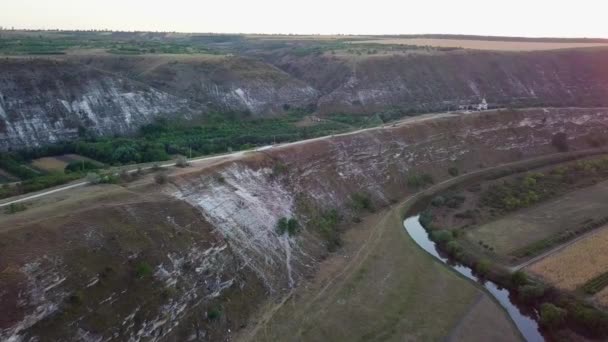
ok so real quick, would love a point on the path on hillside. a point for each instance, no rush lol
(236, 155)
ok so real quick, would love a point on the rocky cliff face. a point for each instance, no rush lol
(161, 263)
(449, 81)
(326, 173)
(44, 101)
(217, 83)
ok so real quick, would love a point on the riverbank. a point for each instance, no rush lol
(381, 286)
(561, 314)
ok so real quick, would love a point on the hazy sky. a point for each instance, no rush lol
(566, 18)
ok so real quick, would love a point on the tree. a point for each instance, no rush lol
(531, 293)
(289, 226)
(126, 154)
(482, 267)
(519, 278)
(552, 316)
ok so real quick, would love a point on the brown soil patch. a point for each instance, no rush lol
(57, 163)
(482, 44)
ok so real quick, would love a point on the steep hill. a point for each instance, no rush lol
(45, 101)
(443, 81)
(222, 83)
(196, 257)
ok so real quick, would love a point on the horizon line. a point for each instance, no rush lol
(16, 29)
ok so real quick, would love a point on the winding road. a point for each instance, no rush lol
(28, 197)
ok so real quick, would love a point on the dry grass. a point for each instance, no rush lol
(58, 163)
(576, 264)
(481, 44)
(381, 287)
(50, 164)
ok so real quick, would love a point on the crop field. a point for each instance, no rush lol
(581, 265)
(58, 163)
(513, 233)
(482, 44)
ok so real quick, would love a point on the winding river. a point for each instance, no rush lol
(526, 325)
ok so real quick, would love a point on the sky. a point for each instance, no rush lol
(527, 18)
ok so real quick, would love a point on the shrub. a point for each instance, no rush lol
(419, 181)
(93, 178)
(552, 316)
(426, 219)
(455, 201)
(289, 226)
(361, 201)
(108, 179)
(182, 162)
(530, 293)
(161, 178)
(75, 298)
(438, 201)
(143, 270)
(293, 226)
(519, 278)
(214, 314)
(441, 236)
(279, 168)
(482, 267)
(15, 208)
(453, 248)
(327, 225)
(589, 318)
(453, 171)
(467, 214)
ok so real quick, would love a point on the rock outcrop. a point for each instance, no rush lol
(46, 101)
(450, 81)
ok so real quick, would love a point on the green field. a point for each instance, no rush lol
(526, 227)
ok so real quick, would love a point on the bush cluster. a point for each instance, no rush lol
(289, 226)
(419, 180)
